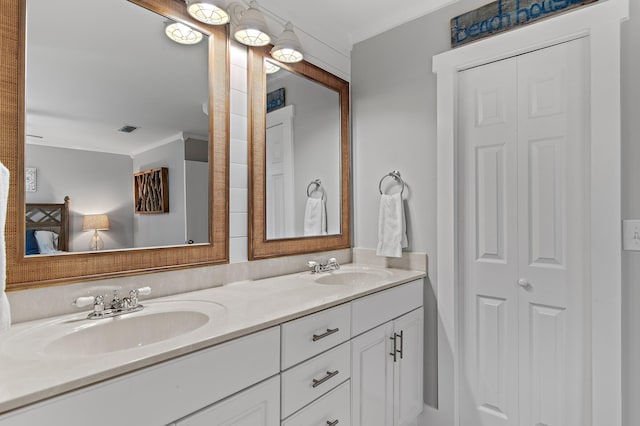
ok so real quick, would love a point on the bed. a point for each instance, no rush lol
(52, 217)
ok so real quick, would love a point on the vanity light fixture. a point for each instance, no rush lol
(181, 33)
(210, 12)
(251, 28)
(287, 48)
(270, 67)
(95, 223)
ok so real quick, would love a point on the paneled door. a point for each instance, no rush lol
(523, 167)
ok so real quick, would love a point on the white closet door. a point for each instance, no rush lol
(524, 193)
(488, 200)
(553, 234)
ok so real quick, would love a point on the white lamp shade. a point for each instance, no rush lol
(181, 33)
(252, 28)
(208, 11)
(270, 67)
(93, 222)
(287, 48)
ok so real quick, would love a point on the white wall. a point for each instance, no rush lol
(394, 127)
(63, 172)
(163, 229)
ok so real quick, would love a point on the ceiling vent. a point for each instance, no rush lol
(127, 129)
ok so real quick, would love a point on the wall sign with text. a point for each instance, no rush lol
(504, 15)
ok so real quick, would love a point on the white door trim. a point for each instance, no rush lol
(601, 23)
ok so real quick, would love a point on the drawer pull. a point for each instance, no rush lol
(394, 353)
(401, 336)
(318, 382)
(332, 423)
(329, 332)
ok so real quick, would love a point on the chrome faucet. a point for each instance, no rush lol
(323, 266)
(116, 307)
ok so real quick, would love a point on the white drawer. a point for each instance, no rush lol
(332, 409)
(313, 334)
(311, 379)
(371, 311)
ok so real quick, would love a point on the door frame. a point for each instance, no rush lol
(600, 22)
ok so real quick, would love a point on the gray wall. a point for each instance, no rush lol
(316, 146)
(96, 182)
(631, 210)
(163, 229)
(394, 127)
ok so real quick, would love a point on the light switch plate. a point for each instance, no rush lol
(631, 235)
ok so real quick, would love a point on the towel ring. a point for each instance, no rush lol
(317, 186)
(396, 176)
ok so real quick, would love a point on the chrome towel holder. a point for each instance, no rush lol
(396, 176)
(316, 185)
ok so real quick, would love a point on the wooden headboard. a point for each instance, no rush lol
(50, 217)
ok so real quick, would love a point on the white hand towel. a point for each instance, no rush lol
(392, 228)
(315, 217)
(5, 313)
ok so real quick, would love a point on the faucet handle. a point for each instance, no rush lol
(312, 264)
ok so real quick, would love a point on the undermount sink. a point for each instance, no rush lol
(77, 337)
(353, 277)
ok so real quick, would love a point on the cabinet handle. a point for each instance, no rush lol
(318, 382)
(401, 336)
(394, 353)
(329, 332)
(332, 423)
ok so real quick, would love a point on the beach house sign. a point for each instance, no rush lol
(504, 15)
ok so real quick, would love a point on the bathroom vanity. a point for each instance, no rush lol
(294, 350)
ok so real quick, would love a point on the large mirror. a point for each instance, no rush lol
(299, 158)
(120, 152)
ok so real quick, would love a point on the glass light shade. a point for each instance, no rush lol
(181, 33)
(270, 67)
(252, 28)
(95, 221)
(208, 11)
(287, 48)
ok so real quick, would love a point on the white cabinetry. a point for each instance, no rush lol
(256, 406)
(386, 363)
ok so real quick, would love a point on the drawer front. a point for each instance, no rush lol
(371, 311)
(313, 378)
(308, 336)
(334, 408)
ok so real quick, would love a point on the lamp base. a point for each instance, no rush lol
(96, 242)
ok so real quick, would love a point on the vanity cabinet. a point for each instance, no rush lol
(386, 377)
(256, 406)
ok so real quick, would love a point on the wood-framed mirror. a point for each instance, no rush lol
(299, 158)
(20, 115)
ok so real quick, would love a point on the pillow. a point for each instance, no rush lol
(31, 244)
(47, 241)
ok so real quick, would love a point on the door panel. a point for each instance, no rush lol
(523, 203)
(488, 181)
(553, 230)
(408, 401)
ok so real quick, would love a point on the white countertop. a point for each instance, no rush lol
(238, 309)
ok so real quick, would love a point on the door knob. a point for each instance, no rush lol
(524, 283)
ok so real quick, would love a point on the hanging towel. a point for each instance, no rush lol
(392, 231)
(315, 217)
(5, 313)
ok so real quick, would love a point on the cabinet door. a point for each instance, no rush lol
(407, 381)
(372, 377)
(256, 406)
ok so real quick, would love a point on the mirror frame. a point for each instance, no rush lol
(259, 246)
(29, 272)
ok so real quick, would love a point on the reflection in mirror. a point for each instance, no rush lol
(302, 156)
(107, 98)
(65, 117)
(299, 158)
